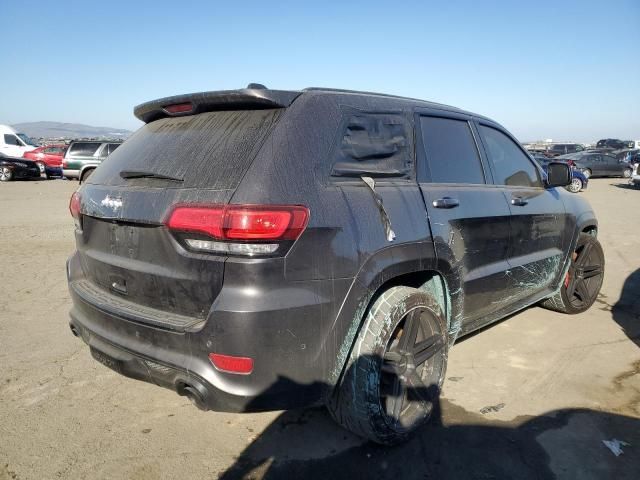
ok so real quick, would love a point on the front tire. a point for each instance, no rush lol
(396, 368)
(575, 186)
(583, 280)
(626, 173)
(6, 174)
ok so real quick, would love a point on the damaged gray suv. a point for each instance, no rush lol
(259, 249)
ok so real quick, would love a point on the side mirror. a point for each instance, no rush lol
(558, 174)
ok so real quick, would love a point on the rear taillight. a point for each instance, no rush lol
(231, 364)
(74, 209)
(239, 229)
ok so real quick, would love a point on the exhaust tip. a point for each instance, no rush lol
(195, 393)
(74, 330)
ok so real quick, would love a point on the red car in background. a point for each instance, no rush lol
(48, 158)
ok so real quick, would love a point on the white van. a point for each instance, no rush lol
(14, 144)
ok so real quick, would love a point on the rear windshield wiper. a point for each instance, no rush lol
(137, 174)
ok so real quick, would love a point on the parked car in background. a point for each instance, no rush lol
(13, 168)
(48, 158)
(14, 144)
(578, 180)
(614, 144)
(210, 261)
(563, 148)
(597, 164)
(635, 176)
(82, 157)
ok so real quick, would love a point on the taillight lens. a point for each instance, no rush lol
(74, 209)
(240, 223)
(232, 364)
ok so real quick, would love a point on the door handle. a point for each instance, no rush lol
(446, 202)
(518, 201)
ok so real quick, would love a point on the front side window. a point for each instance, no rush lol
(451, 152)
(511, 166)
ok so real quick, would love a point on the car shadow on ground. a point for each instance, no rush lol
(626, 186)
(455, 444)
(626, 311)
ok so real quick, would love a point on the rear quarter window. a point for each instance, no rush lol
(82, 149)
(374, 144)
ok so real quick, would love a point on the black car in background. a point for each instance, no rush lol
(263, 249)
(598, 164)
(12, 168)
(563, 148)
(613, 144)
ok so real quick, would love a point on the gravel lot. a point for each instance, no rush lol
(533, 396)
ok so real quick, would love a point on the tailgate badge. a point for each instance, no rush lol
(112, 203)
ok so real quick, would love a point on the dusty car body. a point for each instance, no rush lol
(260, 249)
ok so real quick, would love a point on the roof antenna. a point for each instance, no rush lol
(256, 86)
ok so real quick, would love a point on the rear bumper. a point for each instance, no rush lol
(285, 343)
(53, 171)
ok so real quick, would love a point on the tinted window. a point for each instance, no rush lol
(452, 155)
(111, 148)
(11, 140)
(84, 148)
(511, 166)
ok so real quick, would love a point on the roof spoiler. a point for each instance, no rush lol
(255, 97)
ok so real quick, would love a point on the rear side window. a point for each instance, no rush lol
(83, 149)
(511, 166)
(209, 150)
(451, 152)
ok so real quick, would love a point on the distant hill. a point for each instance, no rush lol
(68, 130)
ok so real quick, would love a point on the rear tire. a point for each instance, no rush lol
(6, 174)
(583, 281)
(396, 368)
(86, 174)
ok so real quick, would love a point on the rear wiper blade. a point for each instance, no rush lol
(137, 174)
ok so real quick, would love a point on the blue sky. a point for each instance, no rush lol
(563, 69)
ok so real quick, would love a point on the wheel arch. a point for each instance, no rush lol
(401, 265)
(83, 171)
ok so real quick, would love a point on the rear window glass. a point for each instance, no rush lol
(209, 150)
(83, 148)
(452, 155)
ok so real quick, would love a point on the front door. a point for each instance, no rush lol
(469, 217)
(538, 239)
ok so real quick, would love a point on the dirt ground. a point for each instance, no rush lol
(533, 396)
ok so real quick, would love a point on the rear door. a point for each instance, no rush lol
(469, 217)
(538, 237)
(127, 254)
